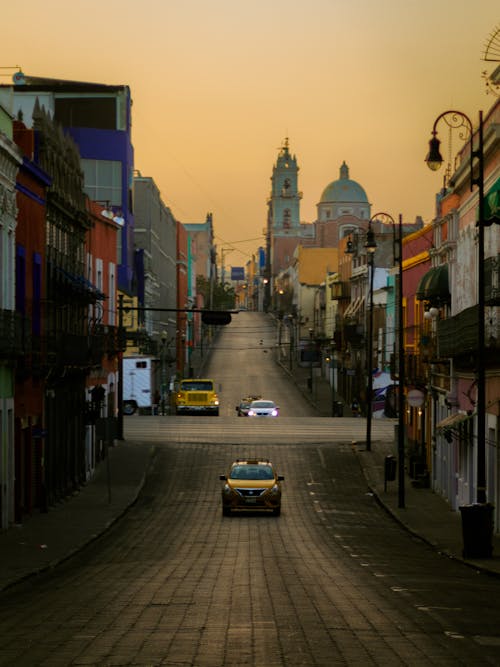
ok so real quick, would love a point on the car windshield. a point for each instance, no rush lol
(197, 385)
(262, 404)
(252, 472)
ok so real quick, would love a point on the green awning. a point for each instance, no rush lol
(492, 205)
(453, 421)
(433, 286)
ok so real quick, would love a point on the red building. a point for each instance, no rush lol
(101, 274)
(32, 184)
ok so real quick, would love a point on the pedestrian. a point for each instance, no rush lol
(355, 409)
(156, 402)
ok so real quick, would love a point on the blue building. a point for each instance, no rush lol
(98, 118)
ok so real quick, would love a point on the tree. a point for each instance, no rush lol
(221, 297)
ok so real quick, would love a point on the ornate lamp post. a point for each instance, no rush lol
(163, 387)
(477, 543)
(458, 120)
(371, 246)
(385, 218)
(311, 334)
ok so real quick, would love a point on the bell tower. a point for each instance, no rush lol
(285, 197)
(284, 229)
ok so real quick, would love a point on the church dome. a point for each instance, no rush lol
(344, 190)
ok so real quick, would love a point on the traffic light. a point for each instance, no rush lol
(217, 317)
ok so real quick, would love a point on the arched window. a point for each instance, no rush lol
(287, 218)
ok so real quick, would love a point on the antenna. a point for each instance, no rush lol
(10, 68)
(492, 55)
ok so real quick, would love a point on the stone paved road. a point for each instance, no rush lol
(333, 581)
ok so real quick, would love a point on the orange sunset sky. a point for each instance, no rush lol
(217, 86)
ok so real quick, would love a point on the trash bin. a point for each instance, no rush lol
(477, 530)
(339, 409)
(390, 468)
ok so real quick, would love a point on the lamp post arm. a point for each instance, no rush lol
(457, 120)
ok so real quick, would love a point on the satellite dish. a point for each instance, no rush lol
(19, 79)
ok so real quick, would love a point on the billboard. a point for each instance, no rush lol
(261, 253)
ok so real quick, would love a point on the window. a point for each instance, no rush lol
(21, 279)
(103, 180)
(98, 112)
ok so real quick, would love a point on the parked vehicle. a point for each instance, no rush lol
(138, 384)
(196, 396)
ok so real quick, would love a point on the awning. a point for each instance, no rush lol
(453, 421)
(80, 284)
(354, 306)
(433, 286)
(492, 205)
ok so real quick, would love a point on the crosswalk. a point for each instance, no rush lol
(285, 430)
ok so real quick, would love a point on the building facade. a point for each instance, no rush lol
(10, 321)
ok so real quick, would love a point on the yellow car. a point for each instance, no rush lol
(251, 485)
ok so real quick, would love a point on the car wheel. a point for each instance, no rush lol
(226, 511)
(128, 408)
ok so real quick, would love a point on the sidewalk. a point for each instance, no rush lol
(424, 513)
(46, 539)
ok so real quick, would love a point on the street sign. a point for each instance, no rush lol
(237, 273)
(216, 317)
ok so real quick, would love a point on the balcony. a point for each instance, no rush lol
(457, 336)
(340, 291)
(355, 335)
(65, 349)
(13, 334)
(492, 281)
(109, 337)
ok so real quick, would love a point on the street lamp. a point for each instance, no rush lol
(163, 369)
(458, 120)
(333, 366)
(385, 218)
(370, 246)
(121, 349)
(311, 333)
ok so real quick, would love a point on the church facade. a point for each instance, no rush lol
(343, 208)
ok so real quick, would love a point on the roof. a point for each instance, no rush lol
(23, 81)
(344, 190)
(316, 263)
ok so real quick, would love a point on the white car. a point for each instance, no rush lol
(263, 408)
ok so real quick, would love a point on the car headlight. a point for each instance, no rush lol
(274, 413)
(226, 489)
(274, 489)
(251, 413)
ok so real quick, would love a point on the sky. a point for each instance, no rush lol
(217, 86)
